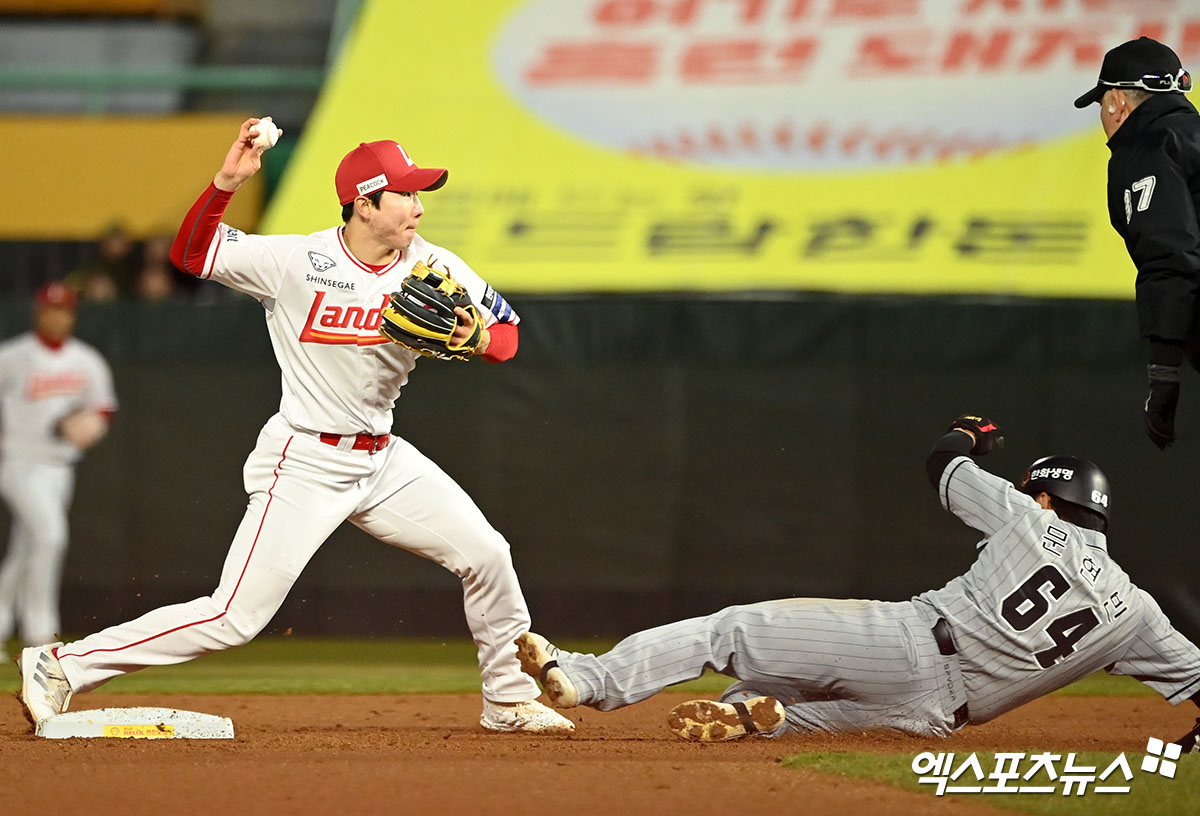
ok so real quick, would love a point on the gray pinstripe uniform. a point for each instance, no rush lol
(1042, 606)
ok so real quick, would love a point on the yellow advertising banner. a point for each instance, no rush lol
(72, 177)
(922, 146)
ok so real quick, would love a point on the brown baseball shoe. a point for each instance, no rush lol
(539, 659)
(710, 721)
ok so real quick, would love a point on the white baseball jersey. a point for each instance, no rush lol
(324, 308)
(1044, 604)
(39, 386)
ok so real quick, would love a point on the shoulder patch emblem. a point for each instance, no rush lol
(321, 262)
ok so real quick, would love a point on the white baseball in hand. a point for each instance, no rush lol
(268, 133)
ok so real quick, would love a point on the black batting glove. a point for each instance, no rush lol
(988, 436)
(1161, 404)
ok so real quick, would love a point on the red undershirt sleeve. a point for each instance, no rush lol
(195, 235)
(503, 345)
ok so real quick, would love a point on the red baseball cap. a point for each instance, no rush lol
(56, 294)
(383, 165)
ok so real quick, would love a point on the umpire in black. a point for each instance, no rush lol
(1154, 203)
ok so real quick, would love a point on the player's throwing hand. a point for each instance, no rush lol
(243, 160)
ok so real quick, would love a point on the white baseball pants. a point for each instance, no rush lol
(300, 490)
(38, 496)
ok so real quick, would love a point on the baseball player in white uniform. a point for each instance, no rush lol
(56, 398)
(1042, 606)
(328, 455)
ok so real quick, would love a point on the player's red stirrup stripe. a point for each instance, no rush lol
(232, 595)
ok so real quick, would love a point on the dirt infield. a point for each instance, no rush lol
(427, 754)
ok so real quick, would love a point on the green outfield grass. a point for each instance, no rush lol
(1102, 684)
(290, 665)
(1149, 795)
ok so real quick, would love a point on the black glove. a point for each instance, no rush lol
(1160, 404)
(421, 315)
(988, 436)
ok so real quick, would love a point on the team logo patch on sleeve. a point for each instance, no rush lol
(495, 303)
(321, 262)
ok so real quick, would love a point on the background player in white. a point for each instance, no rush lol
(56, 399)
(328, 455)
(1042, 606)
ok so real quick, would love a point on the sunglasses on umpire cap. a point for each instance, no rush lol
(1142, 63)
(1182, 81)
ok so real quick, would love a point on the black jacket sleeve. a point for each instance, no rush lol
(1152, 207)
(949, 447)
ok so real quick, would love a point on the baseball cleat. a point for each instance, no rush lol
(525, 718)
(44, 688)
(709, 721)
(539, 659)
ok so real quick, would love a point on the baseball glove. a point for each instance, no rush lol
(988, 436)
(421, 315)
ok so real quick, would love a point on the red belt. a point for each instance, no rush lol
(363, 441)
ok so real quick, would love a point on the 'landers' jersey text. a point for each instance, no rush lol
(317, 329)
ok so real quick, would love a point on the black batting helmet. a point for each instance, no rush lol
(1071, 479)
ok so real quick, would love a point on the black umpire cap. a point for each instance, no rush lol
(1142, 63)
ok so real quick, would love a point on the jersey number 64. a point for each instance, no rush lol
(1027, 605)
